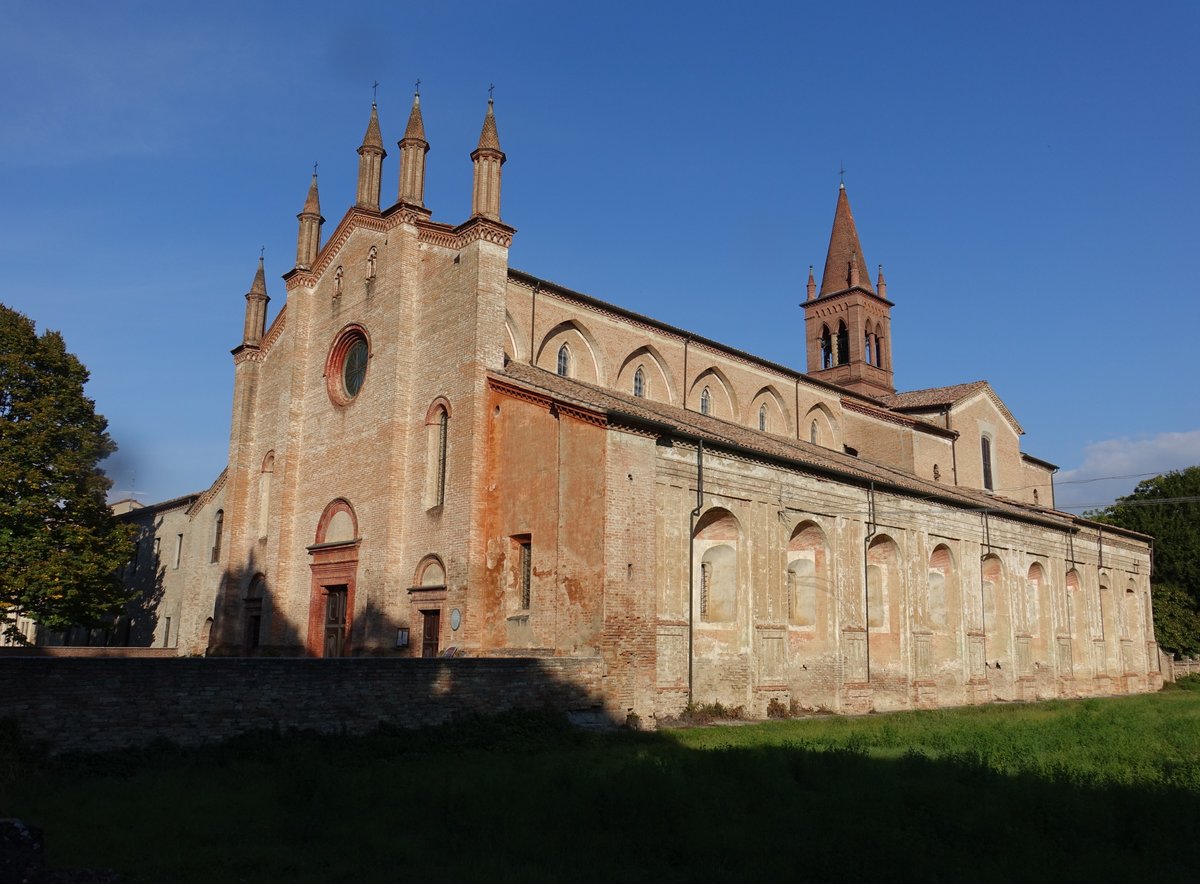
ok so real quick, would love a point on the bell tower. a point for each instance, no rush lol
(848, 322)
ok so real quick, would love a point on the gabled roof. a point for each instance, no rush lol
(622, 409)
(934, 397)
(937, 398)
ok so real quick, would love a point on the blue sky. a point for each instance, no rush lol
(1026, 172)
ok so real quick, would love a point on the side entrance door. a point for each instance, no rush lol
(335, 621)
(431, 631)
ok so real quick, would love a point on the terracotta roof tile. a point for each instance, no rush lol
(933, 396)
(798, 452)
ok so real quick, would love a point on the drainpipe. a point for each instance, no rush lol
(533, 322)
(987, 539)
(1052, 472)
(684, 391)
(692, 557)
(871, 526)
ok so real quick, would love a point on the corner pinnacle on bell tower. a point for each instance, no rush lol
(848, 325)
(370, 164)
(488, 158)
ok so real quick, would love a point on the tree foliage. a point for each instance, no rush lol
(1167, 508)
(60, 546)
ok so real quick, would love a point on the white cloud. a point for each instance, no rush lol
(1113, 468)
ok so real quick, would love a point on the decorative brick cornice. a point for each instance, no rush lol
(353, 220)
(470, 231)
(246, 353)
(274, 331)
(208, 495)
(513, 391)
(583, 415)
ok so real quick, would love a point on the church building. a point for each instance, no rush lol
(433, 453)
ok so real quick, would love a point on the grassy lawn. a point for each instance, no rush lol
(1086, 790)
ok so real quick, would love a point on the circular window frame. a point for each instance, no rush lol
(335, 364)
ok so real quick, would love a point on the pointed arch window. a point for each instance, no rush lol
(985, 451)
(218, 530)
(705, 401)
(264, 494)
(564, 361)
(639, 383)
(437, 440)
(879, 346)
(826, 347)
(843, 344)
(867, 349)
(762, 418)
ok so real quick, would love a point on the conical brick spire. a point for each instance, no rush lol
(373, 138)
(370, 164)
(488, 158)
(489, 139)
(413, 148)
(259, 286)
(312, 203)
(845, 254)
(416, 125)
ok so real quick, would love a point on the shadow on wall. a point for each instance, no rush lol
(246, 623)
(75, 704)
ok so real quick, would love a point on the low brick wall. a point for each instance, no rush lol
(83, 651)
(94, 704)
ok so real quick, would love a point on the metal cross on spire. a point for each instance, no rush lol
(417, 86)
(842, 173)
(491, 89)
(262, 252)
(314, 169)
(374, 91)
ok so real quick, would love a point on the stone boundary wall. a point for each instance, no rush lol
(82, 704)
(1181, 668)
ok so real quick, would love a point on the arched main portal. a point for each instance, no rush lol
(334, 573)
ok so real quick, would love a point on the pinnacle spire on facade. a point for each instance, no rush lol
(488, 158)
(256, 308)
(845, 256)
(413, 148)
(308, 242)
(370, 164)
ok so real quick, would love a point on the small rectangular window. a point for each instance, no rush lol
(525, 572)
(166, 632)
(985, 446)
(157, 548)
(178, 549)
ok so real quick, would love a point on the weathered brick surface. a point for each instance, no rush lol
(99, 704)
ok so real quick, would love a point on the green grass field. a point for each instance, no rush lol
(1087, 790)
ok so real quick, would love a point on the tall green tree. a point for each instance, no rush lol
(60, 546)
(1167, 508)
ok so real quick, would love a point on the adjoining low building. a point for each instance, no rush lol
(432, 452)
